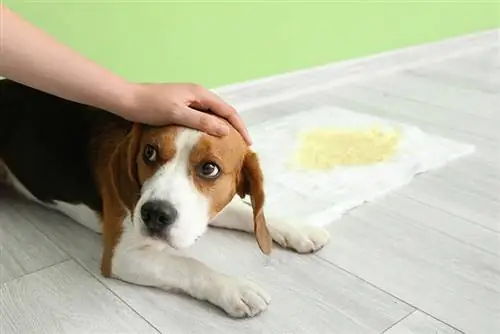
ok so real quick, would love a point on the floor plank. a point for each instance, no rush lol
(457, 80)
(64, 299)
(23, 249)
(459, 201)
(81, 242)
(421, 323)
(478, 71)
(438, 94)
(487, 61)
(446, 278)
(437, 219)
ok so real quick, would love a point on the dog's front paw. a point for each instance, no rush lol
(301, 238)
(241, 298)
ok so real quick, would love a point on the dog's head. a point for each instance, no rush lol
(174, 180)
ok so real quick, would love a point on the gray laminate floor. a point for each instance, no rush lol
(424, 259)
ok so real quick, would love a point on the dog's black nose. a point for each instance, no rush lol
(157, 215)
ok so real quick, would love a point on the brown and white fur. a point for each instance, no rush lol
(146, 189)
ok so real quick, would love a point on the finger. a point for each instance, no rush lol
(208, 100)
(201, 121)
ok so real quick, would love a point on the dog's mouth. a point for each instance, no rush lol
(159, 235)
(166, 237)
(156, 235)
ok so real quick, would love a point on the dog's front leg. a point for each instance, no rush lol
(237, 215)
(145, 263)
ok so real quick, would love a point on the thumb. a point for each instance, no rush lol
(201, 121)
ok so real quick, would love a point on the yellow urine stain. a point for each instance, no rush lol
(324, 148)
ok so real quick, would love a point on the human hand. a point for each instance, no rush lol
(183, 104)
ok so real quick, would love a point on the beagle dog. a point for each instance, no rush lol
(146, 189)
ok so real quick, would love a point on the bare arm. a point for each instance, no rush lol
(33, 58)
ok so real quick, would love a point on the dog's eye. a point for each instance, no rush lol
(209, 170)
(150, 153)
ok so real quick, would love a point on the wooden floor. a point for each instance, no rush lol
(424, 259)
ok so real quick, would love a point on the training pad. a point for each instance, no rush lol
(318, 197)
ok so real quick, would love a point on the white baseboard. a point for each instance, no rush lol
(302, 82)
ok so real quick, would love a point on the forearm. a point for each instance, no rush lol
(32, 57)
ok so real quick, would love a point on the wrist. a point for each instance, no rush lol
(127, 101)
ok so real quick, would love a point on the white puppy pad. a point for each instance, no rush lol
(320, 197)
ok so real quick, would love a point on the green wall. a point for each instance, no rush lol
(220, 42)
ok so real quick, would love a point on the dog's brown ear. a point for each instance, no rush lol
(123, 168)
(252, 183)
